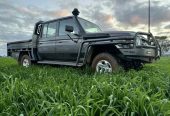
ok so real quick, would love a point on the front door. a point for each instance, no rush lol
(67, 48)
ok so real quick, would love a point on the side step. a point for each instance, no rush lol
(60, 63)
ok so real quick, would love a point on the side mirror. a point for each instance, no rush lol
(38, 29)
(69, 28)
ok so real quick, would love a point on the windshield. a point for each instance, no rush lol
(89, 27)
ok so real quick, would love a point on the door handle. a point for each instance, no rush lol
(60, 42)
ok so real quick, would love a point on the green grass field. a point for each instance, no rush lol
(57, 91)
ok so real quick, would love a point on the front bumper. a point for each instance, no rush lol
(142, 54)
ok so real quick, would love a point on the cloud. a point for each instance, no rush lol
(97, 15)
(60, 13)
(133, 12)
(69, 4)
(167, 27)
(17, 18)
(17, 22)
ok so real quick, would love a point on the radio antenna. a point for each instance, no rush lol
(149, 16)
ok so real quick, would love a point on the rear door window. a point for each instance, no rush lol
(45, 28)
(50, 30)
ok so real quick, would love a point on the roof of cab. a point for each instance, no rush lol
(58, 19)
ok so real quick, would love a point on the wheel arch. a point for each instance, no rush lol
(94, 50)
(22, 53)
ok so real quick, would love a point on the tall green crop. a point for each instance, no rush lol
(57, 91)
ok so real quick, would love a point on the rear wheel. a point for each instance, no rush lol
(105, 63)
(25, 61)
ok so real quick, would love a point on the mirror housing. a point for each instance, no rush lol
(38, 28)
(69, 28)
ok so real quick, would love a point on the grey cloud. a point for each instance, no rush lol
(18, 21)
(160, 14)
(14, 36)
(14, 21)
(69, 4)
(127, 12)
(134, 13)
(167, 27)
(91, 12)
(96, 15)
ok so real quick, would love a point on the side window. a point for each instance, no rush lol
(45, 30)
(69, 22)
(50, 29)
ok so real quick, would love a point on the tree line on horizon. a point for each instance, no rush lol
(164, 43)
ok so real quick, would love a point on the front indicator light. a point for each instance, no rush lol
(148, 52)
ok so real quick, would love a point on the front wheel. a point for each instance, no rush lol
(105, 63)
(25, 61)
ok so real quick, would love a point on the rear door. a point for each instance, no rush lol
(47, 42)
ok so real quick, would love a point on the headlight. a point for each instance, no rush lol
(141, 41)
(138, 41)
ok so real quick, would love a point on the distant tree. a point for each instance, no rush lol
(161, 37)
(164, 43)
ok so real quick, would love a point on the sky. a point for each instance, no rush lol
(17, 17)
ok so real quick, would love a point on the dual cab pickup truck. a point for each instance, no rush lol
(74, 41)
